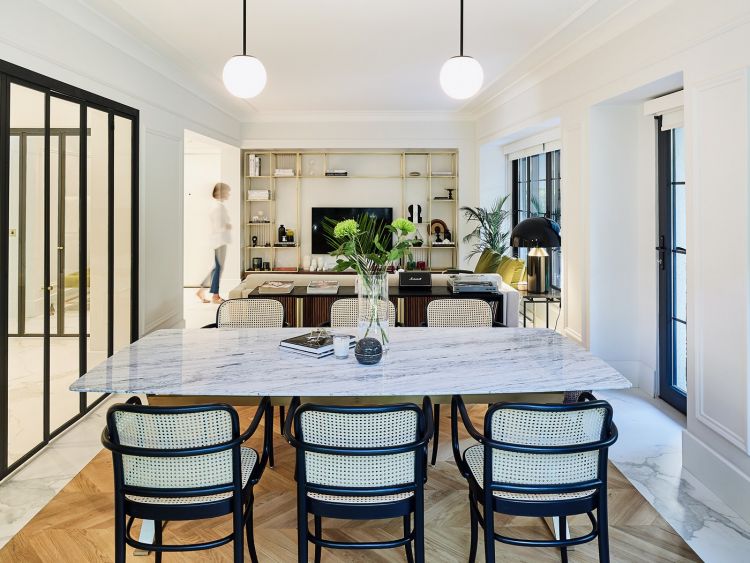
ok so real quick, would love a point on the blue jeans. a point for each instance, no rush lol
(214, 276)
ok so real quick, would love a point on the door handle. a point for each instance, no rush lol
(661, 249)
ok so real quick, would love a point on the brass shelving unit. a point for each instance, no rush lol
(437, 169)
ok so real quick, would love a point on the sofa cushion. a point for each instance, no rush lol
(511, 270)
(488, 262)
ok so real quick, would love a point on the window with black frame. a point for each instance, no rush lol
(536, 193)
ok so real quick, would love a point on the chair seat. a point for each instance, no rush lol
(474, 457)
(342, 499)
(248, 459)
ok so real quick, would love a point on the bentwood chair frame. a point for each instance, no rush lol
(132, 501)
(453, 313)
(410, 495)
(344, 313)
(252, 313)
(566, 499)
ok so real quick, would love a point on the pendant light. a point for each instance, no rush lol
(244, 75)
(461, 77)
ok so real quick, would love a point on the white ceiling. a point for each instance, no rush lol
(346, 55)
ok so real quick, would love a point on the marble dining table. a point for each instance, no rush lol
(241, 365)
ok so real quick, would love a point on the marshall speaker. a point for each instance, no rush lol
(415, 280)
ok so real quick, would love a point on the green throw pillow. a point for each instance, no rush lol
(511, 270)
(488, 262)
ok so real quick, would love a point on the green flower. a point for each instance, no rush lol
(404, 225)
(347, 228)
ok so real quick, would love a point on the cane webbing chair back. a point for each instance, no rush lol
(345, 313)
(459, 313)
(359, 430)
(158, 431)
(524, 427)
(250, 313)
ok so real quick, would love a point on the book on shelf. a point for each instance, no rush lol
(285, 244)
(284, 173)
(311, 344)
(253, 165)
(258, 195)
(276, 288)
(439, 173)
(323, 287)
(336, 172)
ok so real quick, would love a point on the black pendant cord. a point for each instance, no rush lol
(461, 41)
(244, 28)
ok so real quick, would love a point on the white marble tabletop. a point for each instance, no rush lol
(420, 361)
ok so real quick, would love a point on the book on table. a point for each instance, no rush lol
(276, 288)
(323, 287)
(311, 344)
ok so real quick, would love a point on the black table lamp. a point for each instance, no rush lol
(536, 234)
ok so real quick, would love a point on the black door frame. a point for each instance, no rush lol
(666, 250)
(13, 74)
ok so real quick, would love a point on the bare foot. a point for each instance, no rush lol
(216, 299)
(201, 294)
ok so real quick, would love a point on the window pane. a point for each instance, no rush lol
(679, 289)
(679, 221)
(678, 154)
(122, 256)
(680, 355)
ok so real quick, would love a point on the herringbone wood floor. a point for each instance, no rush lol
(76, 526)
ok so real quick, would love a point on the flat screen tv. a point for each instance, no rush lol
(318, 240)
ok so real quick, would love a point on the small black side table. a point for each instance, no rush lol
(552, 296)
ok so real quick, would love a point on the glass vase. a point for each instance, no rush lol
(372, 320)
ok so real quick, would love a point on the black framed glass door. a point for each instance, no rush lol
(672, 264)
(68, 188)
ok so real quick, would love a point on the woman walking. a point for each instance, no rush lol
(221, 236)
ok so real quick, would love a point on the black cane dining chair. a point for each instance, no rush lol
(361, 463)
(183, 463)
(537, 460)
(453, 313)
(252, 313)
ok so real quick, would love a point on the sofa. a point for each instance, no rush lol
(511, 297)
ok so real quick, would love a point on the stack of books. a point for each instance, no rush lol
(258, 195)
(284, 172)
(276, 288)
(253, 165)
(323, 287)
(336, 172)
(311, 344)
(472, 283)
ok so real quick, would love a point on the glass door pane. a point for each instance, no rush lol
(64, 260)
(97, 253)
(122, 235)
(27, 289)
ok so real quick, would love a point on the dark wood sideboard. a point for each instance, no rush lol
(304, 310)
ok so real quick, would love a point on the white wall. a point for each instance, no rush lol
(375, 132)
(207, 162)
(65, 40)
(709, 43)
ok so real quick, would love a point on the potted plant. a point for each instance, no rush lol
(491, 230)
(362, 245)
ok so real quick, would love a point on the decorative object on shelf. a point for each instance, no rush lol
(489, 233)
(267, 266)
(442, 174)
(411, 265)
(306, 262)
(537, 234)
(447, 236)
(461, 77)
(244, 75)
(257, 263)
(254, 219)
(314, 265)
(255, 240)
(415, 174)
(450, 192)
(282, 233)
(262, 216)
(368, 351)
(411, 213)
(290, 235)
(421, 265)
(437, 228)
(417, 241)
(362, 245)
(267, 244)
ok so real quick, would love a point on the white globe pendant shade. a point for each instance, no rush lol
(461, 77)
(244, 76)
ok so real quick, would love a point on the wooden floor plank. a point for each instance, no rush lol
(76, 526)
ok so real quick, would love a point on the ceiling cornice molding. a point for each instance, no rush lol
(507, 87)
(134, 47)
(355, 116)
